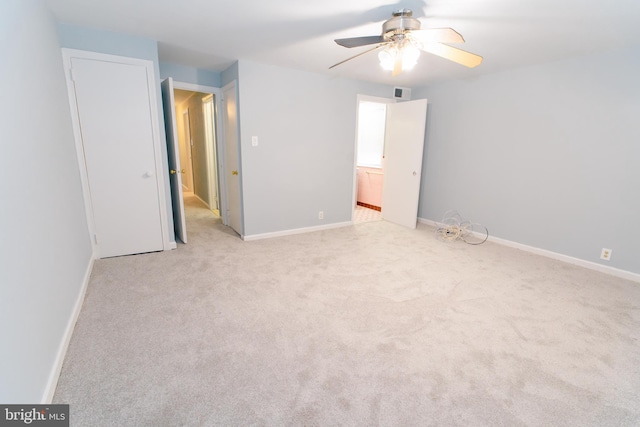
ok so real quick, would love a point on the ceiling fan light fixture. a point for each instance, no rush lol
(401, 41)
(409, 52)
(410, 55)
(387, 57)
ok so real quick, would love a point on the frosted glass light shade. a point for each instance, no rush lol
(387, 58)
(410, 55)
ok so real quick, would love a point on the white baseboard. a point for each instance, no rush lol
(54, 376)
(429, 222)
(623, 274)
(296, 231)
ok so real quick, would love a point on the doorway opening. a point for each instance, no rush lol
(369, 155)
(197, 140)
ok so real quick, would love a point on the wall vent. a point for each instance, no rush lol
(402, 93)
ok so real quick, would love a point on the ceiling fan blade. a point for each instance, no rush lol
(440, 35)
(360, 54)
(359, 41)
(454, 54)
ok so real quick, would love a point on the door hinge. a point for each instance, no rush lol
(72, 74)
(95, 238)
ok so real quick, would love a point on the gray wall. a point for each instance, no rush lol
(304, 162)
(93, 40)
(230, 74)
(44, 240)
(191, 75)
(546, 156)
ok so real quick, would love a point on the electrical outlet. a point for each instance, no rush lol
(606, 254)
(320, 215)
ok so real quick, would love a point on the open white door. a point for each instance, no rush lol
(232, 160)
(404, 143)
(173, 152)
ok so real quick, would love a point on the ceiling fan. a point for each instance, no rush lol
(402, 40)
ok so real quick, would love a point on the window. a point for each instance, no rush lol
(371, 127)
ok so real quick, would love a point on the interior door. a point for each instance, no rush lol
(115, 116)
(173, 151)
(404, 143)
(232, 161)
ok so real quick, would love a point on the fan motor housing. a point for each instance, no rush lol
(402, 21)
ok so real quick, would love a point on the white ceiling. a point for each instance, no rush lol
(212, 34)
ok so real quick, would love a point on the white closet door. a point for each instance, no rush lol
(114, 112)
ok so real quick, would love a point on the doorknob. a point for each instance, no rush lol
(234, 172)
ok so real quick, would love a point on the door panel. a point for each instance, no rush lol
(404, 143)
(232, 161)
(173, 152)
(117, 136)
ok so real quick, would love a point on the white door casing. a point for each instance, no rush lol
(173, 154)
(404, 144)
(232, 157)
(360, 99)
(116, 126)
(215, 175)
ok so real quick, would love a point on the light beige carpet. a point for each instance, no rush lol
(366, 325)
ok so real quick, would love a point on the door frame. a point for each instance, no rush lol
(361, 98)
(217, 97)
(160, 171)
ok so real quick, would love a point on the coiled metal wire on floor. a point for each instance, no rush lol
(455, 227)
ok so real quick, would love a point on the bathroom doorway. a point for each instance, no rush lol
(369, 166)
